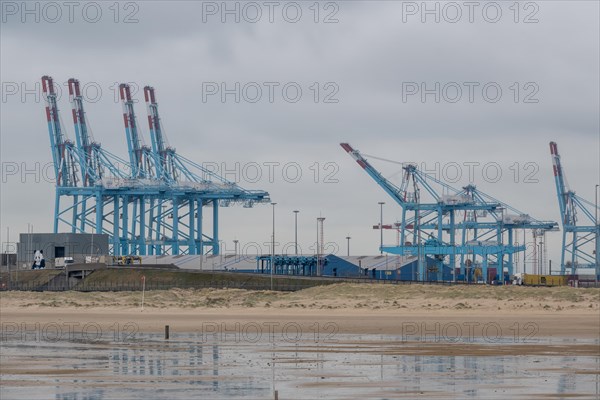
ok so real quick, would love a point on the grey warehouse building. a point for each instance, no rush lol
(60, 245)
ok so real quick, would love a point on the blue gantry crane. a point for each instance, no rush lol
(465, 229)
(579, 218)
(151, 204)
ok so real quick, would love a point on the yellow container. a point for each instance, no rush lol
(544, 280)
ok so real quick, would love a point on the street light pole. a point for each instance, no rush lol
(296, 230)
(381, 203)
(235, 243)
(542, 263)
(273, 246)
(597, 272)
(317, 271)
(596, 209)
(539, 247)
(317, 248)
(348, 239)
(320, 247)
(8, 259)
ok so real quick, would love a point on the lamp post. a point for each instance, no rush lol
(320, 247)
(540, 267)
(8, 258)
(235, 243)
(296, 230)
(381, 203)
(348, 239)
(317, 250)
(273, 246)
(597, 271)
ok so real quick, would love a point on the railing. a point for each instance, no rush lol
(119, 286)
(299, 283)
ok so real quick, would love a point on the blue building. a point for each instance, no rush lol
(383, 267)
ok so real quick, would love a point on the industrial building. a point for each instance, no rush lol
(58, 247)
(331, 265)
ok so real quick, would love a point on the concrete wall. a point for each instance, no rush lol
(76, 245)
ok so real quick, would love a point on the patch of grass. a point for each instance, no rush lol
(28, 278)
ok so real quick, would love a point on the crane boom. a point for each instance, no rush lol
(158, 143)
(63, 152)
(561, 189)
(394, 191)
(140, 155)
(91, 166)
(133, 140)
(164, 154)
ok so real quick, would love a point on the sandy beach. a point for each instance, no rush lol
(351, 341)
(412, 310)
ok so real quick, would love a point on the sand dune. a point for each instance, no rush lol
(352, 308)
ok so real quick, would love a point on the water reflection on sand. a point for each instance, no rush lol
(351, 367)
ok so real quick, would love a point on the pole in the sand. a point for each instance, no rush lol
(143, 290)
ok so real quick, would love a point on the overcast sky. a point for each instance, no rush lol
(370, 61)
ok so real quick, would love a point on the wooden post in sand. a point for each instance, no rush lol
(276, 395)
(166, 331)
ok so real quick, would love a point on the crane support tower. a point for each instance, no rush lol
(464, 229)
(579, 219)
(152, 204)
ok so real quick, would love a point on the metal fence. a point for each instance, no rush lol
(119, 286)
(61, 283)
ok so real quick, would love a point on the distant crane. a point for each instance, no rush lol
(461, 228)
(151, 204)
(581, 230)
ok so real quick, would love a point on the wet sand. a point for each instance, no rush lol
(348, 367)
(349, 341)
